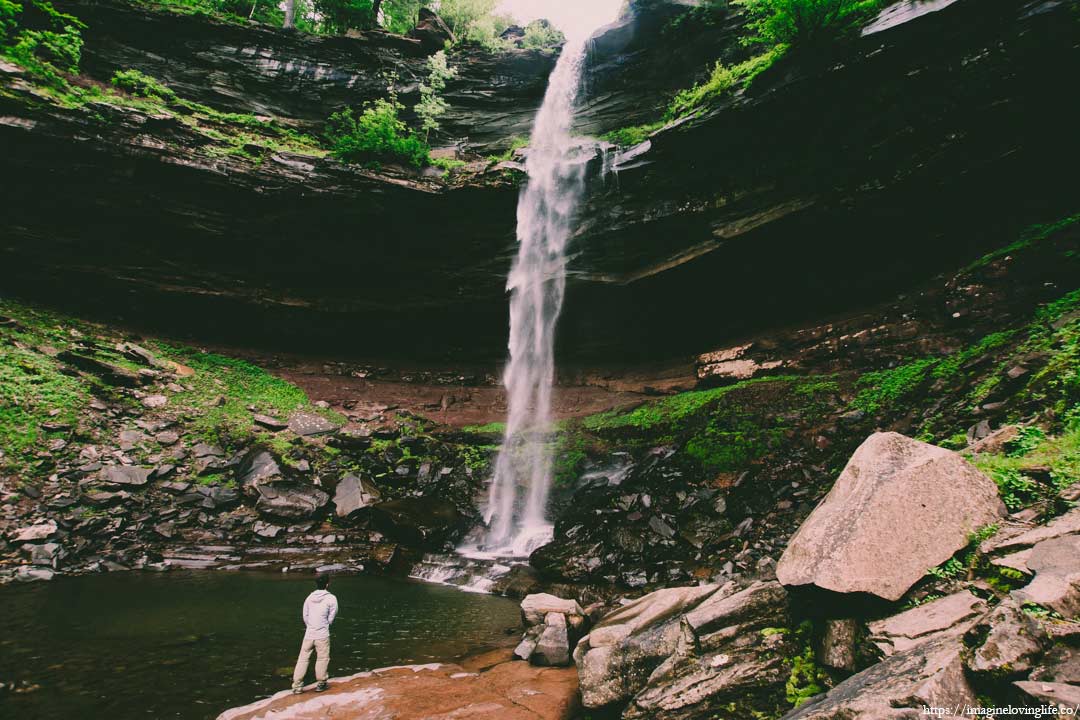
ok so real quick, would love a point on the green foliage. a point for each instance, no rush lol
(807, 678)
(951, 568)
(1030, 236)
(880, 391)
(489, 428)
(9, 14)
(339, 16)
(516, 143)
(475, 21)
(432, 106)
(33, 390)
(949, 366)
(1028, 438)
(238, 384)
(42, 39)
(477, 458)
(540, 34)
(708, 14)
(1016, 489)
(634, 135)
(1039, 612)
(138, 83)
(802, 22)
(966, 560)
(723, 79)
(375, 135)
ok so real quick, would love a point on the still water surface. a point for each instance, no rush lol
(189, 645)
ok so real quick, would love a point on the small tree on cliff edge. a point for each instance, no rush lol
(802, 22)
(432, 106)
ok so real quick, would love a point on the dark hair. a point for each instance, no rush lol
(322, 580)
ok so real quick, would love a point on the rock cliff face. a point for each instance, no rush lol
(803, 178)
(263, 70)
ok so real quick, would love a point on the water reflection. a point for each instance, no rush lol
(187, 645)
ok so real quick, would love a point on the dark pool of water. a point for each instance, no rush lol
(189, 645)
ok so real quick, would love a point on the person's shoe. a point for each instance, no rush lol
(323, 686)
(297, 690)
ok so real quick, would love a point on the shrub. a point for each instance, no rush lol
(629, 136)
(143, 85)
(722, 79)
(802, 22)
(374, 135)
(341, 15)
(475, 21)
(46, 52)
(9, 13)
(541, 34)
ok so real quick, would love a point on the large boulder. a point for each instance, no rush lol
(432, 31)
(899, 507)
(289, 501)
(354, 493)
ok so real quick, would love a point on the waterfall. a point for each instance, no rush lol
(517, 501)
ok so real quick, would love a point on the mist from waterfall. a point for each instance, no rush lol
(517, 501)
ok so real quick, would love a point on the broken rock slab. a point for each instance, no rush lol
(897, 688)
(949, 616)
(1056, 564)
(125, 475)
(307, 424)
(899, 507)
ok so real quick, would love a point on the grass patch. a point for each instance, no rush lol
(949, 366)
(34, 391)
(490, 428)
(723, 79)
(222, 388)
(1030, 236)
(882, 390)
(634, 135)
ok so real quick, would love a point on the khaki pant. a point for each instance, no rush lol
(322, 650)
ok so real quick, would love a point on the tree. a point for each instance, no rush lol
(339, 16)
(432, 106)
(802, 22)
(290, 14)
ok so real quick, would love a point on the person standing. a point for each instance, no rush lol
(320, 609)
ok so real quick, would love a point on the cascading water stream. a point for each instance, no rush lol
(517, 501)
(556, 164)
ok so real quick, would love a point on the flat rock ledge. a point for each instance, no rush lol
(504, 691)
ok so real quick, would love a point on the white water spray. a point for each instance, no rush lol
(517, 501)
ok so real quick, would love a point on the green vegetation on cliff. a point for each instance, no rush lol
(772, 29)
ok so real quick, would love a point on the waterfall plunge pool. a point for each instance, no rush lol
(191, 644)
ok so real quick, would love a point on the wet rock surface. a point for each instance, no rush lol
(503, 691)
(982, 66)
